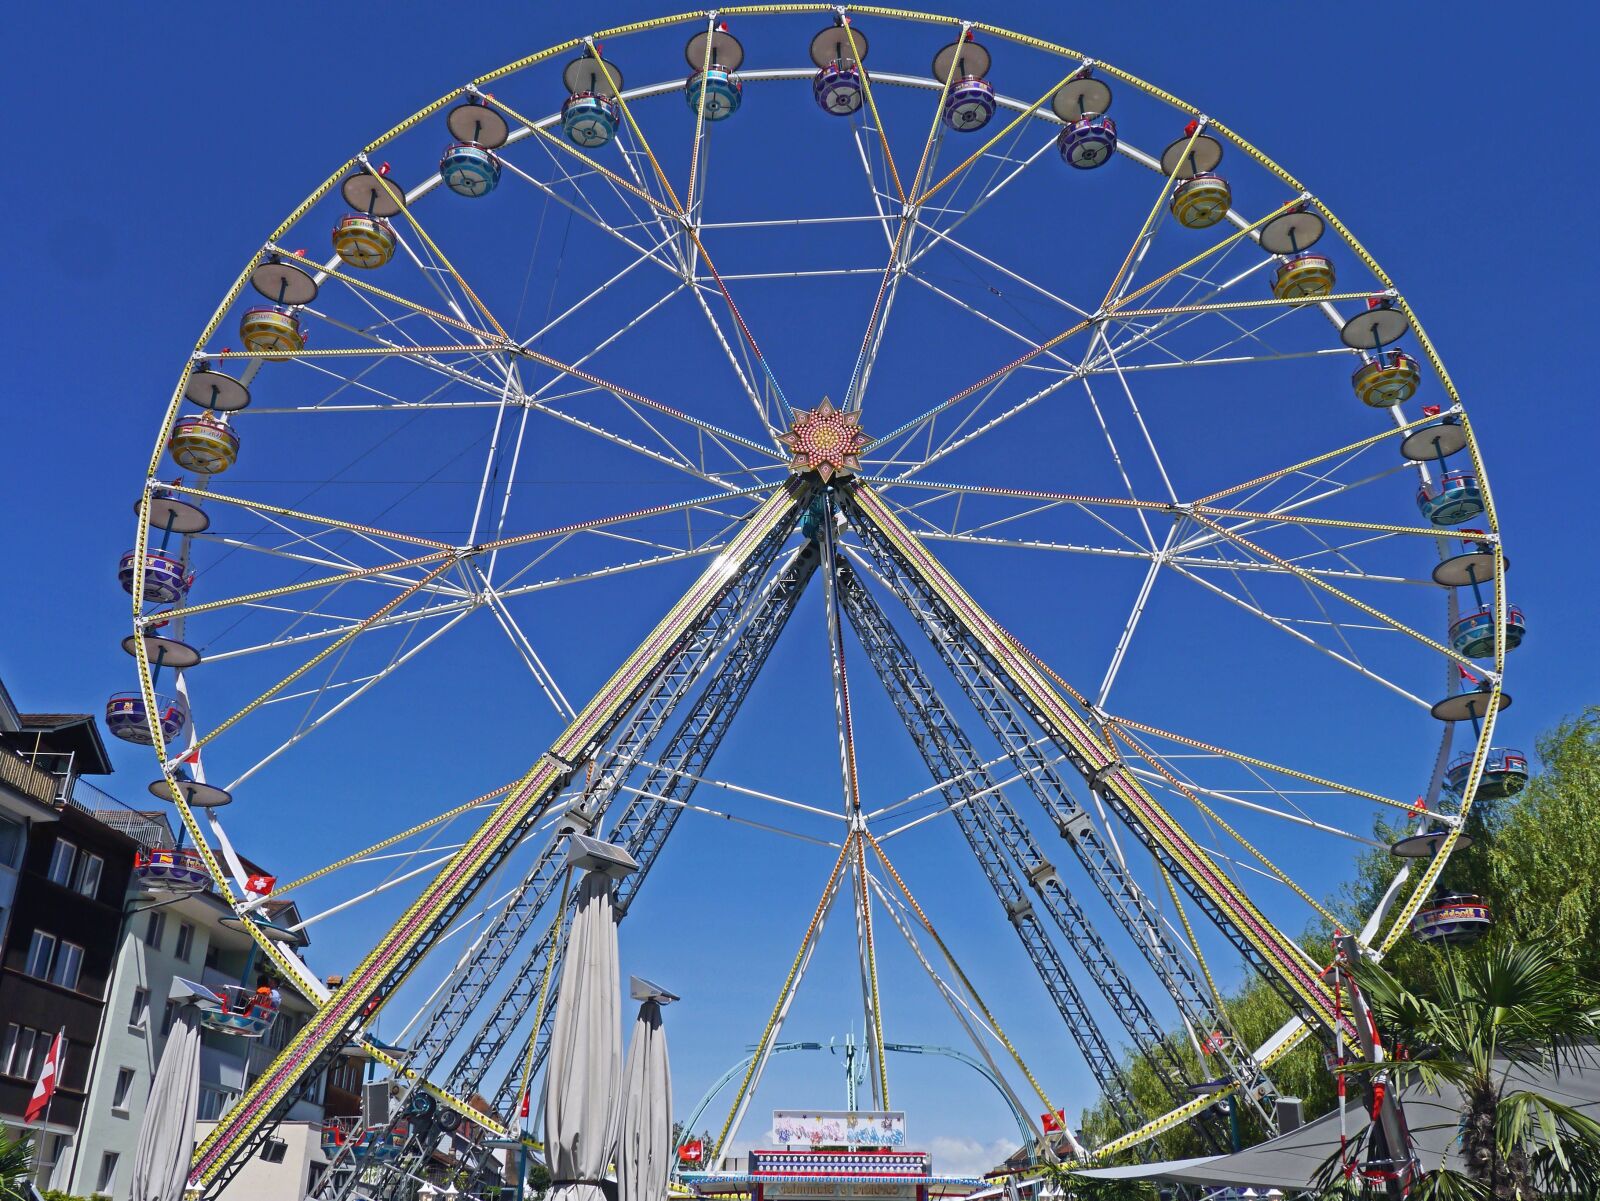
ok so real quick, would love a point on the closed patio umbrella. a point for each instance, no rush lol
(584, 1070)
(166, 1139)
(644, 1147)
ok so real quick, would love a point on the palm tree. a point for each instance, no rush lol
(1471, 1019)
(16, 1167)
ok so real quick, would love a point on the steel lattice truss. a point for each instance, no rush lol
(894, 494)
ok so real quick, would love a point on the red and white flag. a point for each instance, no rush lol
(48, 1077)
(1054, 1121)
(524, 1102)
(692, 1151)
(261, 885)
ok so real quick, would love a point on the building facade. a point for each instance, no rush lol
(195, 937)
(68, 876)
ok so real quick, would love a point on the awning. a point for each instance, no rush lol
(1293, 1160)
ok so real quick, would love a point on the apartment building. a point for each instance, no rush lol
(63, 922)
(193, 936)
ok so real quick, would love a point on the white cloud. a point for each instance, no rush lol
(960, 1156)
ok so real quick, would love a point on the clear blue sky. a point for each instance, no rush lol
(153, 148)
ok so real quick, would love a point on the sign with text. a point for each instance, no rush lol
(839, 1128)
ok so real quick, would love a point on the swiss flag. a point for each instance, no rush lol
(524, 1102)
(692, 1151)
(260, 885)
(48, 1076)
(1215, 1042)
(1054, 1121)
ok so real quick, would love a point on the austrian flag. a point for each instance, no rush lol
(49, 1075)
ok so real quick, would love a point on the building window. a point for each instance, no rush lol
(168, 1016)
(68, 963)
(62, 856)
(40, 952)
(185, 941)
(139, 1014)
(108, 1172)
(119, 1097)
(214, 1102)
(87, 878)
(54, 1146)
(11, 839)
(16, 1051)
(154, 929)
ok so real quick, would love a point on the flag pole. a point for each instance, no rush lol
(57, 1052)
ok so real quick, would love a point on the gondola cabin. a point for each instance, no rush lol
(1088, 143)
(1455, 919)
(127, 718)
(590, 114)
(1303, 276)
(1387, 378)
(1505, 773)
(469, 169)
(1451, 499)
(1201, 201)
(171, 870)
(272, 332)
(166, 581)
(233, 1008)
(204, 444)
(1473, 634)
(714, 55)
(363, 241)
(838, 52)
(969, 100)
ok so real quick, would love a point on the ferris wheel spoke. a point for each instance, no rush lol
(938, 235)
(1399, 626)
(1300, 636)
(338, 644)
(900, 245)
(1015, 276)
(1185, 789)
(525, 651)
(443, 554)
(1231, 798)
(590, 214)
(407, 211)
(1350, 449)
(1251, 761)
(366, 289)
(674, 211)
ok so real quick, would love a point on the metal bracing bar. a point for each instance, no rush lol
(951, 757)
(1133, 909)
(644, 825)
(476, 978)
(375, 979)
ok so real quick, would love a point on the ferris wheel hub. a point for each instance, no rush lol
(825, 440)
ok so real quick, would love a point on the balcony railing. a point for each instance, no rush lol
(18, 773)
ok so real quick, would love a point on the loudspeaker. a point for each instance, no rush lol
(375, 1103)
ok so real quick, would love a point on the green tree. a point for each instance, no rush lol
(538, 1179)
(1544, 863)
(1475, 1014)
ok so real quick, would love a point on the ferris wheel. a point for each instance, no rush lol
(1073, 426)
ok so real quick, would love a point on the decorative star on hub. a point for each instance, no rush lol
(825, 440)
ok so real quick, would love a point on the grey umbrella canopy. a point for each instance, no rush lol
(644, 1146)
(585, 1065)
(166, 1140)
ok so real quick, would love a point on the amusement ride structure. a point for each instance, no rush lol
(1099, 442)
